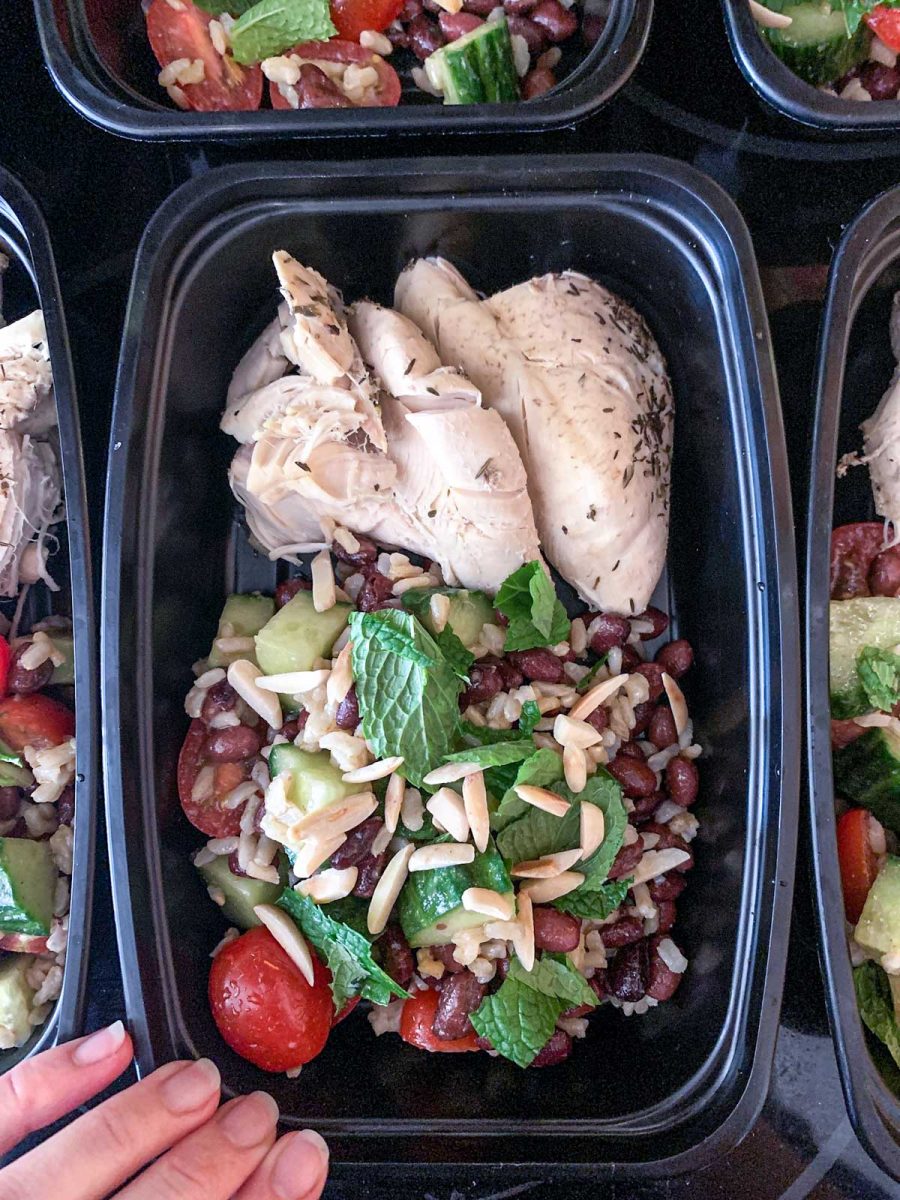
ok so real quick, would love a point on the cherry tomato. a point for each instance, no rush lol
(417, 1020)
(184, 33)
(263, 1006)
(345, 1011)
(208, 815)
(34, 720)
(859, 865)
(387, 91)
(23, 943)
(5, 656)
(352, 17)
(853, 547)
(885, 23)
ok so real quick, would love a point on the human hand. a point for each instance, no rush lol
(201, 1151)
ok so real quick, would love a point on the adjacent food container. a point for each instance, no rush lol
(688, 1079)
(100, 59)
(30, 282)
(855, 364)
(793, 97)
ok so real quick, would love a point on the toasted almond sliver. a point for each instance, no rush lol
(593, 828)
(244, 677)
(393, 801)
(340, 817)
(657, 862)
(288, 937)
(575, 733)
(329, 885)
(542, 891)
(543, 799)
(768, 17)
(476, 806)
(442, 854)
(677, 703)
(439, 607)
(449, 811)
(450, 773)
(575, 768)
(387, 889)
(548, 866)
(341, 678)
(524, 940)
(314, 852)
(489, 903)
(375, 770)
(323, 585)
(292, 683)
(594, 698)
(381, 841)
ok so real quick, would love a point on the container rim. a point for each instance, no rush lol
(175, 220)
(93, 91)
(863, 253)
(23, 228)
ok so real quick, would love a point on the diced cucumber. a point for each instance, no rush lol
(13, 771)
(878, 929)
(430, 907)
(816, 45)
(476, 68)
(16, 997)
(863, 621)
(243, 616)
(314, 780)
(65, 644)
(297, 635)
(242, 894)
(27, 884)
(469, 611)
(868, 773)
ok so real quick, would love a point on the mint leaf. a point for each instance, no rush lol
(873, 995)
(590, 679)
(543, 769)
(234, 8)
(594, 904)
(347, 953)
(553, 975)
(879, 674)
(272, 26)
(482, 735)
(531, 714)
(407, 707)
(455, 654)
(517, 1020)
(497, 754)
(536, 617)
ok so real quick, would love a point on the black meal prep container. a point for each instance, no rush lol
(31, 282)
(665, 1091)
(792, 96)
(855, 367)
(101, 61)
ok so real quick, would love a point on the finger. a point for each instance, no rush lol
(99, 1151)
(296, 1168)
(42, 1089)
(212, 1163)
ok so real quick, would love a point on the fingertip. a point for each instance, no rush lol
(299, 1166)
(107, 1043)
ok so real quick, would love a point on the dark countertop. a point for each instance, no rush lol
(97, 193)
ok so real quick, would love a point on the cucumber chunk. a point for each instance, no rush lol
(868, 773)
(878, 929)
(13, 771)
(16, 997)
(469, 611)
(430, 906)
(65, 644)
(242, 616)
(863, 621)
(242, 894)
(297, 635)
(478, 67)
(816, 45)
(314, 780)
(27, 884)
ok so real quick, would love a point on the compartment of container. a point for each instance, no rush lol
(30, 282)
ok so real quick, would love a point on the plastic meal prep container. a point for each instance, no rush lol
(29, 282)
(101, 61)
(689, 1078)
(792, 96)
(855, 366)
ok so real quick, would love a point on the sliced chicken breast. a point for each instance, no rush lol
(26, 378)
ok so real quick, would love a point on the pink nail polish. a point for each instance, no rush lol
(102, 1044)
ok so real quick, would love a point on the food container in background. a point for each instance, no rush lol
(855, 365)
(667, 1090)
(30, 282)
(101, 61)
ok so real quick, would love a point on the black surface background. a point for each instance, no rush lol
(688, 100)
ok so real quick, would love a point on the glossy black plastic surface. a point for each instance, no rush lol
(100, 59)
(855, 367)
(689, 1078)
(30, 282)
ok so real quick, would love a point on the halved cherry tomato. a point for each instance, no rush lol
(34, 720)
(417, 1021)
(387, 91)
(345, 1011)
(859, 865)
(352, 17)
(184, 33)
(5, 656)
(263, 1006)
(208, 815)
(23, 943)
(885, 23)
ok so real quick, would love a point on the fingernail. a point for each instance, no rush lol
(102, 1044)
(301, 1165)
(250, 1120)
(191, 1087)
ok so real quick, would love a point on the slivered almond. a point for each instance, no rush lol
(476, 808)
(450, 773)
(575, 768)
(768, 17)
(393, 801)
(439, 607)
(542, 891)
(657, 862)
(288, 937)
(375, 770)
(442, 854)
(594, 698)
(315, 851)
(336, 818)
(593, 828)
(381, 841)
(541, 798)
(548, 866)
(575, 733)
(523, 940)
(677, 703)
(449, 811)
(323, 585)
(244, 677)
(387, 889)
(489, 903)
(292, 683)
(329, 885)
(341, 678)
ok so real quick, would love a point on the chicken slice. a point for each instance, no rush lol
(26, 378)
(262, 364)
(30, 501)
(317, 340)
